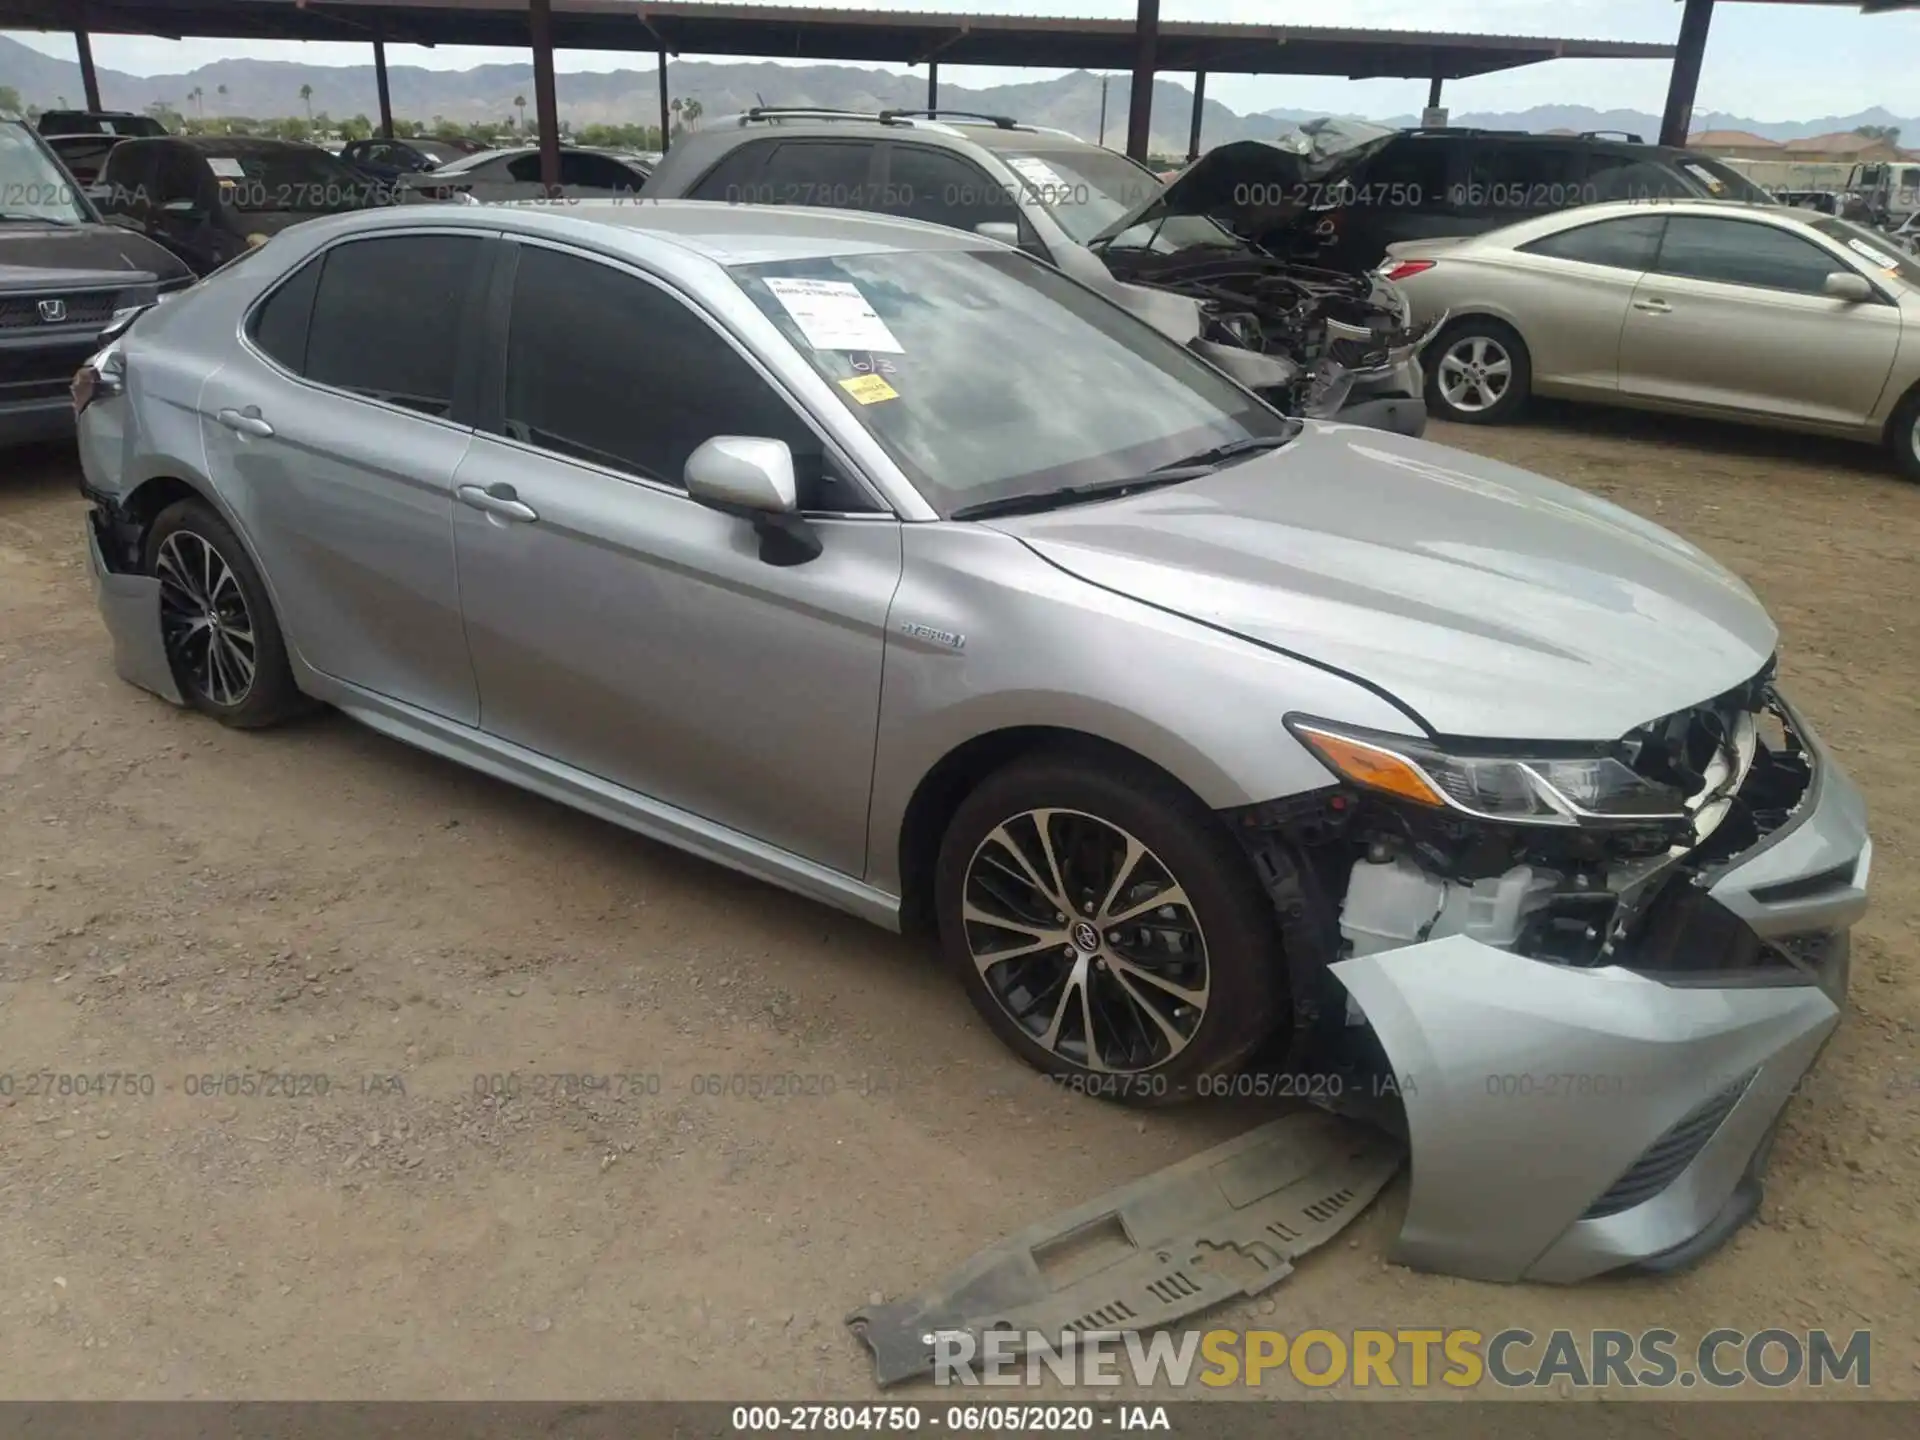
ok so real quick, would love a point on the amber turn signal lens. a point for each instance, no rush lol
(1371, 766)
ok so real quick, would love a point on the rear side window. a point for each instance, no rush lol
(1629, 244)
(1522, 178)
(385, 318)
(1628, 177)
(1744, 252)
(279, 326)
(1408, 174)
(817, 172)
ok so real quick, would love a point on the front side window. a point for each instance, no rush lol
(385, 317)
(604, 367)
(1522, 177)
(988, 375)
(33, 186)
(1744, 252)
(1628, 244)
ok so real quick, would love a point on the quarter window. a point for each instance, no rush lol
(1743, 252)
(1629, 244)
(385, 317)
(607, 368)
(279, 326)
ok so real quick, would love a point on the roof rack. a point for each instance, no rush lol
(1001, 122)
(802, 112)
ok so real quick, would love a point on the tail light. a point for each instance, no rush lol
(1404, 269)
(104, 373)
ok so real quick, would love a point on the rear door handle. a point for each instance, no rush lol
(1653, 307)
(246, 422)
(497, 500)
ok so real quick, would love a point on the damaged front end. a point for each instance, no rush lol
(1317, 343)
(1584, 979)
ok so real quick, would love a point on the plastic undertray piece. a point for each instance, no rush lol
(1227, 1222)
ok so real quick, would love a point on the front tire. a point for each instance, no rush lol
(1903, 436)
(1481, 373)
(1108, 928)
(222, 639)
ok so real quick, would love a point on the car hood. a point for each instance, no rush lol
(1489, 601)
(88, 247)
(1259, 189)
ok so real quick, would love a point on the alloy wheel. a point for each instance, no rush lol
(1475, 373)
(204, 618)
(1086, 940)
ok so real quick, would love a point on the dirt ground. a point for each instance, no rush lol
(180, 900)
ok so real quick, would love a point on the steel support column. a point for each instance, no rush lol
(1146, 30)
(380, 84)
(89, 78)
(1433, 93)
(1685, 80)
(1199, 106)
(546, 111)
(933, 84)
(665, 114)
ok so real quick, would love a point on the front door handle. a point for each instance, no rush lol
(497, 500)
(1653, 307)
(247, 422)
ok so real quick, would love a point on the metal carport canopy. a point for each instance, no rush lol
(793, 32)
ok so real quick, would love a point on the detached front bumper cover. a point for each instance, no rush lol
(130, 606)
(1563, 1121)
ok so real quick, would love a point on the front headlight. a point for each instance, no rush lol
(1519, 789)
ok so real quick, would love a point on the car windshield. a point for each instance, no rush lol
(1085, 188)
(1876, 249)
(83, 124)
(987, 375)
(33, 186)
(297, 178)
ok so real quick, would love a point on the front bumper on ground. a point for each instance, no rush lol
(130, 607)
(1565, 1122)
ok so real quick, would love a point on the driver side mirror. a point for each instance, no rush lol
(752, 478)
(1846, 285)
(1005, 231)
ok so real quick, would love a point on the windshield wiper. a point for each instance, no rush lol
(1228, 450)
(23, 218)
(1080, 494)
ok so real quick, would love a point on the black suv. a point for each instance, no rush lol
(64, 277)
(1425, 184)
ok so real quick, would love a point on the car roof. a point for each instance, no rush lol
(232, 144)
(725, 234)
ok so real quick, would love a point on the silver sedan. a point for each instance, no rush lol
(893, 566)
(1762, 314)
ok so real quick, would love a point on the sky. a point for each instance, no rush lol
(1764, 61)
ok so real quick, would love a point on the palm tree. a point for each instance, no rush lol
(690, 112)
(306, 98)
(221, 91)
(676, 108)
(520, 104)
(195, 95)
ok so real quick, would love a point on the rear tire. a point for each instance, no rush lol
(1479, 373)
(1903, 435)
(1136, 919)
(222, 639)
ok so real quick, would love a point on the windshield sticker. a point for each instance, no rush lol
(1878, 257)
(225, 168)
(869, 389)
(834, 315)
(1707, 178)
(1037, 173)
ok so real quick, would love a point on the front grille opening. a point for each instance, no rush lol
(1661, 1162)
(22, 312)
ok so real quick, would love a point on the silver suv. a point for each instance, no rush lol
(1315, 342)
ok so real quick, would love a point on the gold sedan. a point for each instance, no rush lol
(1762, 314)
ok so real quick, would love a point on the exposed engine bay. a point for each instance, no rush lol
(1325, 329)
(1356, 872)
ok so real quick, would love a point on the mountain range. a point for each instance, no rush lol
(265, 88)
